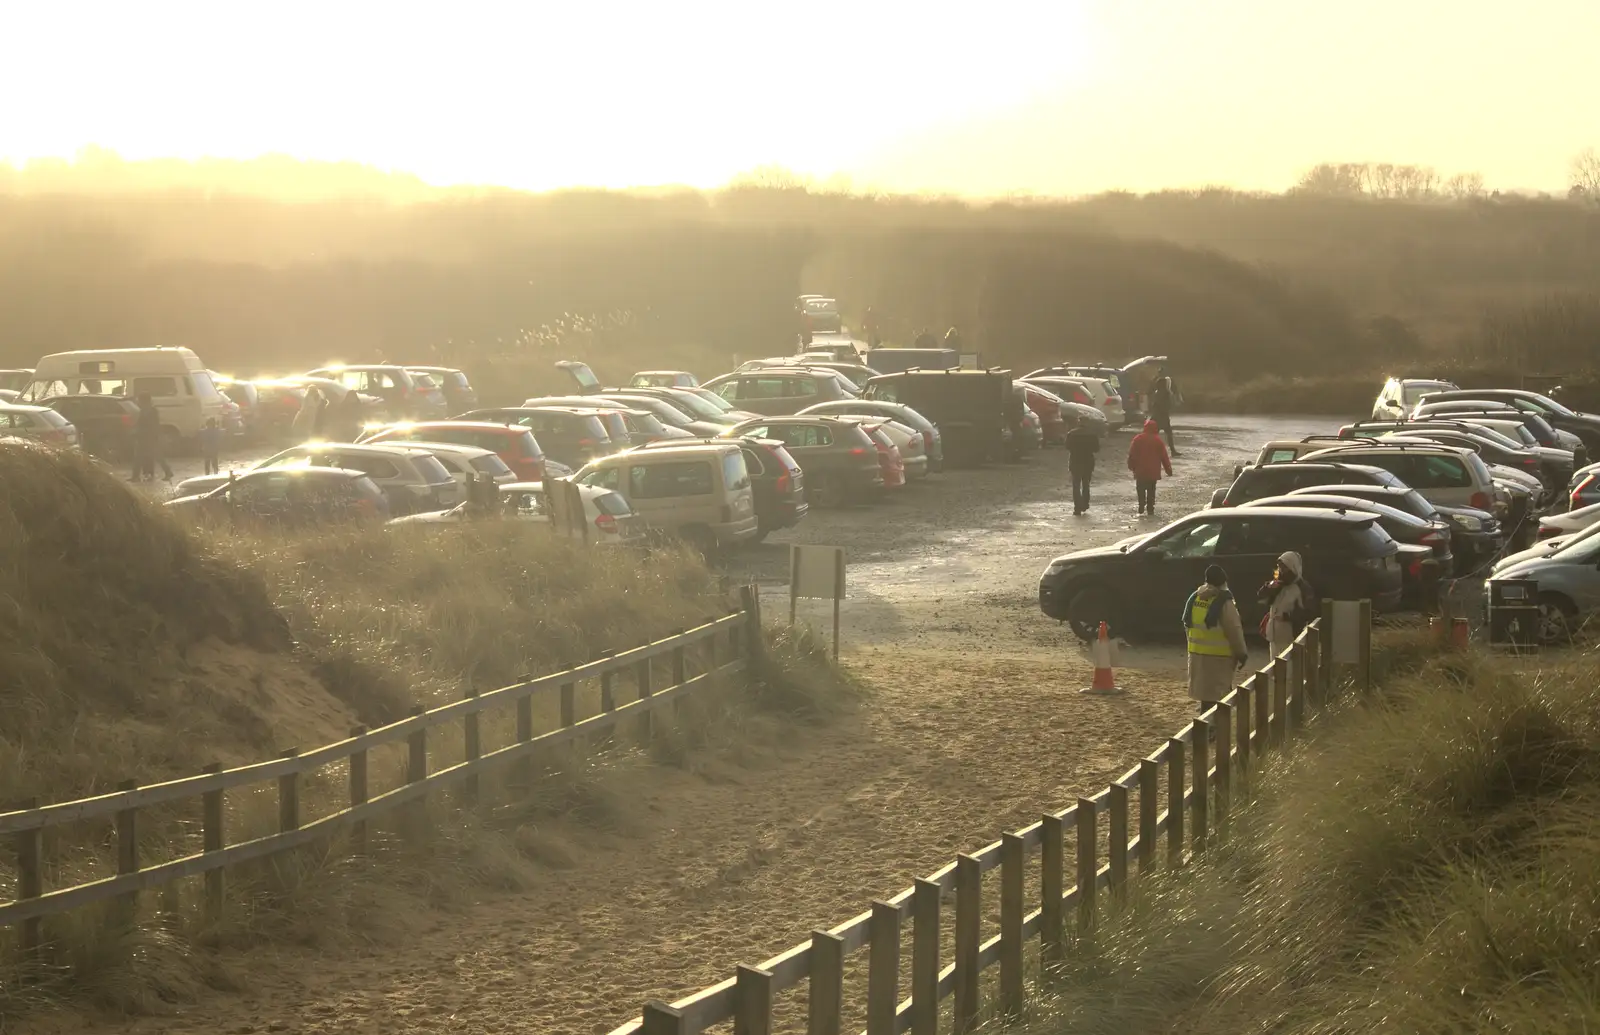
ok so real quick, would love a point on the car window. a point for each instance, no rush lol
(605, 478)
(51, 418)
(668, 480)
(156, 386)
(613, 503)
(759, 431)
(753, 464)
(884, 391)
(262, 490)
(1282, 456)
(765, 388)
(1269, 535)
(1196, 540)
(1431, 472)
(735, 475)
(376, 467)
(490, 464)
(799, 386)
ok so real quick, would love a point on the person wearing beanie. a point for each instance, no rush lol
(1216, 639)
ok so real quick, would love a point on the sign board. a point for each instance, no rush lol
(817, 573)
(1346, 632)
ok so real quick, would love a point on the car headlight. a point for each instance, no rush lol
(1056, 568)
(1468, 522)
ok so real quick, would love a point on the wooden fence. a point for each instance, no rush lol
(1204, 768)
(723, 645)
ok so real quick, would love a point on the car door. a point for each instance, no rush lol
(1168, 567)
(1249, 550)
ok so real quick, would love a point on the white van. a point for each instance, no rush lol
(173, 377)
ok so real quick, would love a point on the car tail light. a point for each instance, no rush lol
(927, 441)
(128, 421)
(606, 523)
(1583, 485)
(1430, 537)
(858, 451)
(782, 484)
(1480, 500)
(1415, 569)
(1080, 397)
(1546, 531)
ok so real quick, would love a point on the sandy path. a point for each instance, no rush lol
(975, 726)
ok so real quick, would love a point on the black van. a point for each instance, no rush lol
(977, 411)
(895, 361)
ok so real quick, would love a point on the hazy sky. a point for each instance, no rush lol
(1047, 96)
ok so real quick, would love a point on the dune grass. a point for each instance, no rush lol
(136, 648)
(1423, 863)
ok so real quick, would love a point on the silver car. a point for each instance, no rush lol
(1569, 582)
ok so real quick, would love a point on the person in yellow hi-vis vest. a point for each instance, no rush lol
(1216, 639)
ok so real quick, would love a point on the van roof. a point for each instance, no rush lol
(168, 357)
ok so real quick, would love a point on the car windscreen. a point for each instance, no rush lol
(613, 503)
(645, 423)
(52, 418)
(712, 399)
(490, 464)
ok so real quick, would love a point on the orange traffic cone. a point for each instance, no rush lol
(1104, 681)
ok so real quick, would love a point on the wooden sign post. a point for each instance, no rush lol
(817, 573)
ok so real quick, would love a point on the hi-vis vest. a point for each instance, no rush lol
(1202, 640)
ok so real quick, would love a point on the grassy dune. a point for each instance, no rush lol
(132, 647)
(1424, 863)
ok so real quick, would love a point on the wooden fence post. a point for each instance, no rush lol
(1013, 858)
(925, 901)
(1280, 701)
(1263, 730)
(883, 969)
(523, 775)
(1119, 842)
(1364, 631)
(1149, 812)
(29, 846)
(127, 906)
(1088, 853)
(1325, 646)
(212, 839)
(680, 662)
(289, 796)
(660, 1019)
(1241, 732)
(753, 996)
(1052, 881)
(569, 704)
(472, 747)
(358, 792)
(1176, 771)
(1314, 668)
(750, 604)
(641, 676)
(969, 912)
(1224, 728)
(1297, 703)
(1202, 783)
(825, 1007)
(416, 772)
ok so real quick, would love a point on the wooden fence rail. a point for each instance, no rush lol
(724, 644)
(1209, 765)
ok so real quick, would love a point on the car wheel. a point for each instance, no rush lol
(1088, 608)
(1558, 619)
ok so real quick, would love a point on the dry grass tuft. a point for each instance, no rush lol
(1425, 864)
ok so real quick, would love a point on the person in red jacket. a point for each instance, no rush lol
(1147, 458)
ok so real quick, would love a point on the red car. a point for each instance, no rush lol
(1047, 405)
(889, 459)
(514, 444)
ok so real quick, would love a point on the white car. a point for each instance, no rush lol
(610, 520)
(1100, 393)
(464, 461)
(1399, 394)
(1552, 526)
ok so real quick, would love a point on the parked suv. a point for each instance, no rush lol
(1474, 534)
(411, 478)
(701, 494)
(515, 444)
(1424, 542)
(468, 462)
(776, 477)
(1262, 480)
(570, 434)
(780, 390)
(401, 398)
(839, 458)
(1138, 586)
(1399, 394)
(932, 441)
(105, 423)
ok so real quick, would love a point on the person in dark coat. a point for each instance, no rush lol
(147, 442)
(1161, 400)
(1082, 445)
(351, 414)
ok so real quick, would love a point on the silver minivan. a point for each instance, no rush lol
(700, 493)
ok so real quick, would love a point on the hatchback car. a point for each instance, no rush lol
(1405, 529)
(1475, 535)
(781, 390)
(775, 476)
(515, 444)
(697, 404)
(1137, 587)
(1453, 475)
(466, 462)
(1568, 580)
(570, 434)
(457, 390)
(1399, 395)
(1585, 426)
(411, 478)
(672, 412)
(401, 398)
(839, 458)
(1260, 480)
(932, 441)
(289, 496)
(608, 520)
(105, 423)
(38, 423)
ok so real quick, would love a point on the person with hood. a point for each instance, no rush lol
(1216, 639)
(1082, 444)
(1161, 400)
(1288, 597)
(147, 442)
(1147, 458)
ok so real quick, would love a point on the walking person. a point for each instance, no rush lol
(1147, 458)
(1161, 401)
(1082, 445)
(1290, 602)
(869, 324)
(1216, 639)
(210, 444)
(147, 442)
